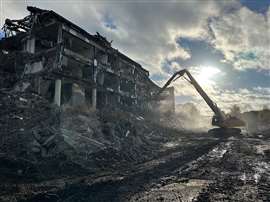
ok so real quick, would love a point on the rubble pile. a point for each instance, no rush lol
(30, 137)
(69, 154)
(96, 137)
(28, 124)
(69, 139)
(41, 141)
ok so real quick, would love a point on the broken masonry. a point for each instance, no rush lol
(51, 56)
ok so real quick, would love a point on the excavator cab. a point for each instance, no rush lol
(216, 121)
(228, 122)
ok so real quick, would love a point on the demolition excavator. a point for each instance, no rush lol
(224, 122)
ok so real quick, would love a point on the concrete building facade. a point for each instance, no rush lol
(61, 61)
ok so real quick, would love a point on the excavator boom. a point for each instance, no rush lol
(220, 118)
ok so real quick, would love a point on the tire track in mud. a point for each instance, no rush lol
(241, 174)
(229, 165)
(237, 169)
(138, 181)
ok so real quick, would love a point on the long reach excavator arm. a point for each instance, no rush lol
(220, 118)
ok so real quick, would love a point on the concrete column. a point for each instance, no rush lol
(94, 98)
(58, 82)
(118, 90)
(29, 68)
(94, 91)
(57, 92)
(135, 93)
(30, 45)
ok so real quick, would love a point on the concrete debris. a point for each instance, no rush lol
(37, 135)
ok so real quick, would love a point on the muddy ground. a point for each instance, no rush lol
(197, 167)
(51, 154)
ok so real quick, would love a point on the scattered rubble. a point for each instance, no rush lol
(41, 141)
(67, 154)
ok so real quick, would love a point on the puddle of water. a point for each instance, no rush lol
(243, 177)
(185, 192)
(171, 144)
(218, 152)
(261, 148)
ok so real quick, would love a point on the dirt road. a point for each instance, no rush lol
(197, 167)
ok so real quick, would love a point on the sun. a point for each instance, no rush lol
(207, 75)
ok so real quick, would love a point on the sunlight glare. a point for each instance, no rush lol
(206, 75)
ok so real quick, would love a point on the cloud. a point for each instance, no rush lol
(246, 99)
(153, 28)
(243, 38)
(148, 31)
(145, 31)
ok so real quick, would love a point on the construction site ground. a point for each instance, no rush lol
(137, 159)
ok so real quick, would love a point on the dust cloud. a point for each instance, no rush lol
(187, 116)
(184, 117)
(191, 117)
(256, 121)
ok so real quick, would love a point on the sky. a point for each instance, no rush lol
(225, 44)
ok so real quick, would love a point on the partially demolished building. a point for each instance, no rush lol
(62, 62)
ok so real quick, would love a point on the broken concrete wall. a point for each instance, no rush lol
(84, 68)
